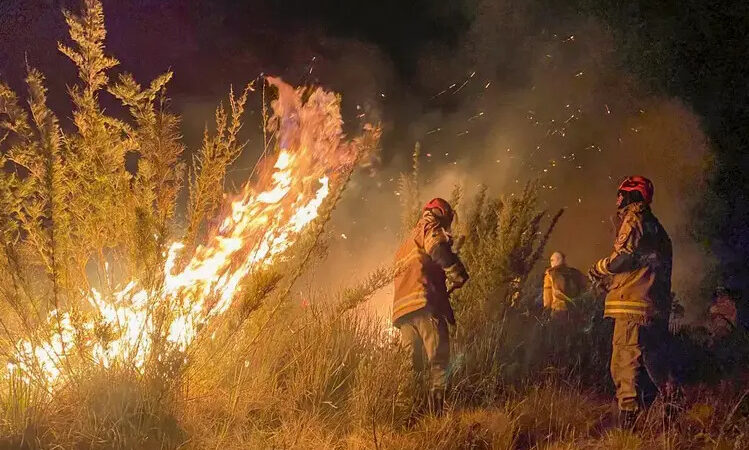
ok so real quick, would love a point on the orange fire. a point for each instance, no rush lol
(262, 222)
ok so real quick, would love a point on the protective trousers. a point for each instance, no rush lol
(423, 333)
(640, 362)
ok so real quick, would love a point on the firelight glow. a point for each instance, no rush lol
(260, 225)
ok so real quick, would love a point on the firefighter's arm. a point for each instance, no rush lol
(623, 258)
(548, 293)
(438, 245)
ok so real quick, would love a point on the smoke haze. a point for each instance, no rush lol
(514, 105)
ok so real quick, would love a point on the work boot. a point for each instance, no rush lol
(436, 401)
(627, 419)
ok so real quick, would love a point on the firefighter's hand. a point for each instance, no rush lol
(456, 277)
(595, 276)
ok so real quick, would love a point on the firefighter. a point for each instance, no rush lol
(562, 285)
(637, 278)
(427, 271)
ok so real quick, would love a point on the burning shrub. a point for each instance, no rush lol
(77, 225)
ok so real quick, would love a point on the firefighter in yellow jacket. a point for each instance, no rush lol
(427, 271)
(637, 278)
(562, 284)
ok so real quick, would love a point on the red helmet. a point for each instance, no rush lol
(445, 210)
(640, 184)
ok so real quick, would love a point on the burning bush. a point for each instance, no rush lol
(92, 279)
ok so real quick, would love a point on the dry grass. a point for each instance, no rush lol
(321, 381)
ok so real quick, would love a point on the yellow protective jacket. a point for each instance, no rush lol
(422, 271)
(639, 269)
(562, 285)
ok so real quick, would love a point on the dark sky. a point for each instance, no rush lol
(639, 63)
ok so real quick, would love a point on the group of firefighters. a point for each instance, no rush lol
(636, 277)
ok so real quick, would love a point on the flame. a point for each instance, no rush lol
(260, 225)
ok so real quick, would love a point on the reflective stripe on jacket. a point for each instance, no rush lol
(420, 282)
(639, 268)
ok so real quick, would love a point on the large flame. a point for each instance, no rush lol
(266, 218)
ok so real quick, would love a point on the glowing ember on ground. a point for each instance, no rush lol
(263, 222)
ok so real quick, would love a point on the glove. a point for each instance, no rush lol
(456, 276)
(594, 275)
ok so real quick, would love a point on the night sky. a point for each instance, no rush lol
(446, 73)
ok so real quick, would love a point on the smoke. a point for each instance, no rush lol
(520, 99)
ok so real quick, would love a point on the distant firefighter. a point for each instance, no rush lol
(562, 285)
(723, 314)
(428, 270)
(637, 278)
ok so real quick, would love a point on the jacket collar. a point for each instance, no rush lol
(636, 208)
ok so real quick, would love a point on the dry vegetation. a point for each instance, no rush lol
(274, 374)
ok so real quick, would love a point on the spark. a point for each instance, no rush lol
(465, 82)
(476, 116)
(438, 94)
